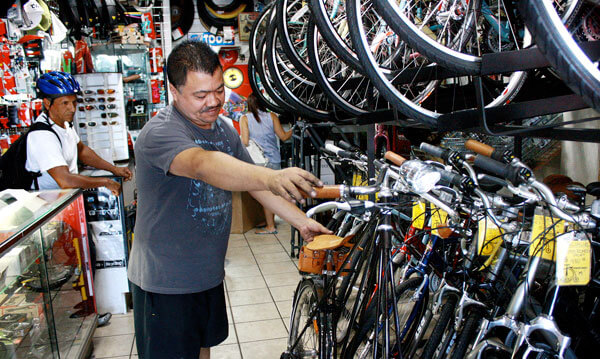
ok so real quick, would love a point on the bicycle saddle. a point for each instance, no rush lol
(593, 189)
(327, 241)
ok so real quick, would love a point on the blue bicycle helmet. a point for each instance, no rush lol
(57, 84)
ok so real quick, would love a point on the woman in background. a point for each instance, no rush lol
(263, 128)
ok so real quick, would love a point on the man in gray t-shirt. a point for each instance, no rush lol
(187, 162)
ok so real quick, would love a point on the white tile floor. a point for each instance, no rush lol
(260, 279)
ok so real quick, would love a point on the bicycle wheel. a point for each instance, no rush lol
(409, 312)
(258, 32)
(444, 28)
(348, 89)
(304, 329)
(299, 92)
(438, 341)
(410, 87)
(330, 18)
(468, 333)
(292, 19)
(259, 89)
(265, 78)
(575, 68)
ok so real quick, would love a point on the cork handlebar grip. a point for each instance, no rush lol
(480, 148)
(394, 158)
(328, 191)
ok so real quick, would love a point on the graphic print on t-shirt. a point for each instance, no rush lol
(209, 205)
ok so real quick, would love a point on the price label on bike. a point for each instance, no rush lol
(573, 260)
(418, 215)
(544, 231)
(489, 237)
(438, 220)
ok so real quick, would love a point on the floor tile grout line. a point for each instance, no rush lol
(271, 294)
(237, 338)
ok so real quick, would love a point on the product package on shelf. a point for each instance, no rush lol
(100, 115)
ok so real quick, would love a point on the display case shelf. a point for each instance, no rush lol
(46, 307)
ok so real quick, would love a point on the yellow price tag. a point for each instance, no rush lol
(573, 260)
(438, 219)
(418, 215)
(489, 237)
(543, 234)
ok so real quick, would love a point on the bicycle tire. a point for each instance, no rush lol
(264, 99)
(305, 298)
(209, 21)
(265, 79)
(367, 328)
(226, 15)
(338, 89)
(234, 4)
(283, 12)
(467, 334)
(562, 52)
(258, 32)
(319, 106)
(418, 39)
(379, 79)
(332, 37)
(444, 323)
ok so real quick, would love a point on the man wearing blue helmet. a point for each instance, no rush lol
(55, 156)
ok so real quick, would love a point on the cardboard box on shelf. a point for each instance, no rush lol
(246, 212)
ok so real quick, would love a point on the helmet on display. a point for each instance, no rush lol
(57, 84)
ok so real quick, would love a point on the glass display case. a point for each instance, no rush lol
(47, 307)
(133, 62)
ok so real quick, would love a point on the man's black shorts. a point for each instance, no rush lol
(178, 325)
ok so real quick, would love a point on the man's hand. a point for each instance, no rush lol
(312, 228)
(113, 186)
(122, 172)
(288, 182)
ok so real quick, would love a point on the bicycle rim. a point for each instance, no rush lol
(425, 40)
(562, 51)
(347, 88)
(292, 20)
(333, 27)
(302, 94)
(305, 300)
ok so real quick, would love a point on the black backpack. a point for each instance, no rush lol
(12, 163)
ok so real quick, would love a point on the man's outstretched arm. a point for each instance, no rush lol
(224, 171)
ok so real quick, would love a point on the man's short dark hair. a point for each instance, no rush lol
(190, 56)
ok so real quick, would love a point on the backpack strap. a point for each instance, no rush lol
(41, 126)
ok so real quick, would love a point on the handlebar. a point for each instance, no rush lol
(489, 151)
(327, 191)
(394, 158)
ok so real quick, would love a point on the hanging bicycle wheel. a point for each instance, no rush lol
(258, 31)
(348, 89)
(437, 29)
(266, 79)
(302, 94)
(259, 89)
(562, 50)
(410, 85)
(330, 18)
(292, 20)
(379, 50)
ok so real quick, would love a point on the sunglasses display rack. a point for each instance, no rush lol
(100, 114)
